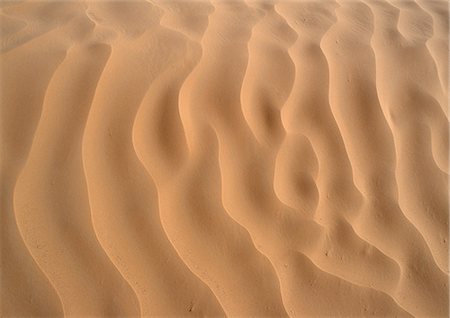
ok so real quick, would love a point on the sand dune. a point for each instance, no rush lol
(225, 158)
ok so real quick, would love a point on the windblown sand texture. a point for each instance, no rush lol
(226, 158)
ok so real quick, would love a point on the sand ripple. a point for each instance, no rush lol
(225, 158)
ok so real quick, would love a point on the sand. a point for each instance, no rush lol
(224, 158)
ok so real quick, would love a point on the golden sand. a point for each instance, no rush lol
(226, 158)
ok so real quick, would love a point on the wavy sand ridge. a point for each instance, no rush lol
(225, 158)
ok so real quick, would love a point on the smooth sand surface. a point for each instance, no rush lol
(224, 158)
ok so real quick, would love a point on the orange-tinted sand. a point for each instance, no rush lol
(225, 158)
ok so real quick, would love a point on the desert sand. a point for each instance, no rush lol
(224, 158)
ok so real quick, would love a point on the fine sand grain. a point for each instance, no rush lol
(226, 158)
